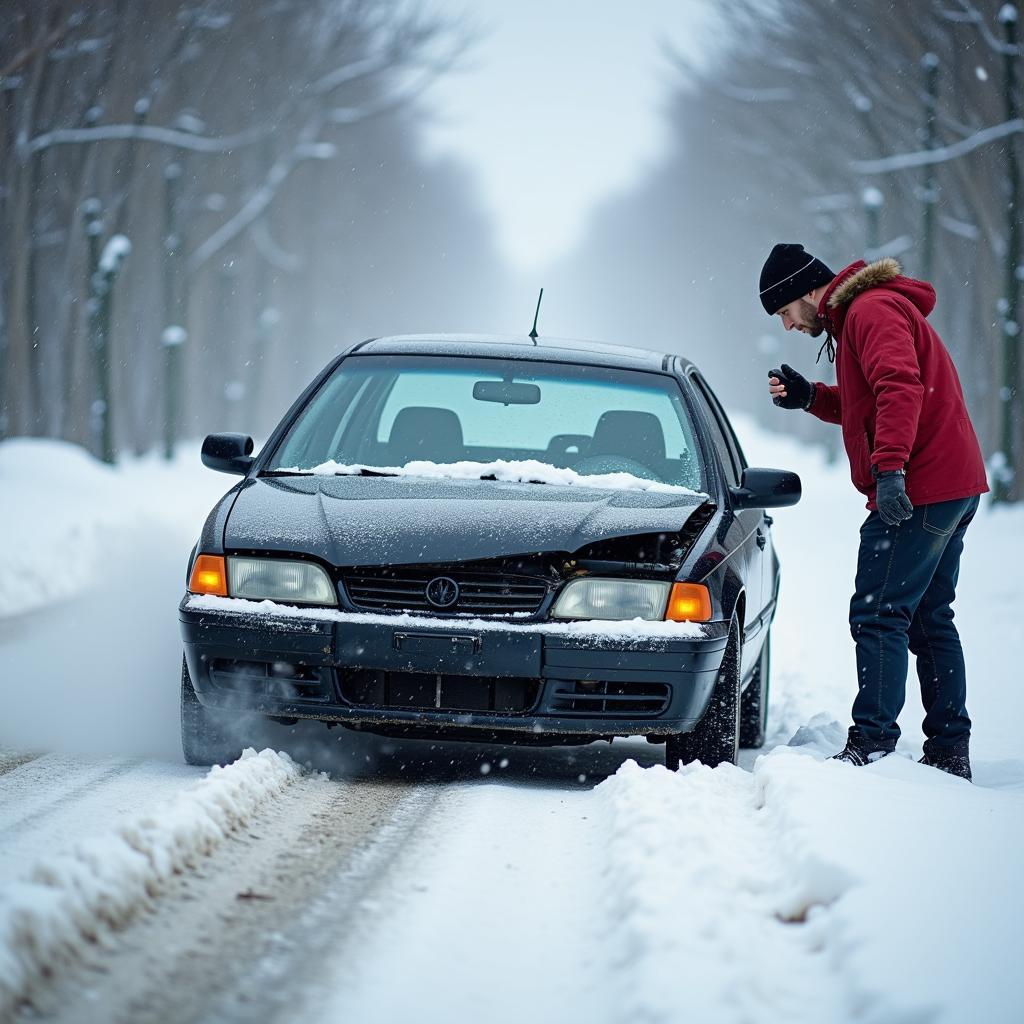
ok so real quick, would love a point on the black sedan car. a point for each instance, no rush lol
(494, 539)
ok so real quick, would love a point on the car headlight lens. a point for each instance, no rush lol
(275, 579)
(612, 599)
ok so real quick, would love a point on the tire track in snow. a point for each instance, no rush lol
(44, 785)
(711, 911)
(362, 829)
(53, 800)
(69, 900)
(243, 936)
(494, 907)
(10, 761)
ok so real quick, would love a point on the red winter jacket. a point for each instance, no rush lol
(898, 396)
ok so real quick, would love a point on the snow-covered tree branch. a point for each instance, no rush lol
(942, 154)
(163, 136)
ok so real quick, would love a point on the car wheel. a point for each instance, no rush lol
(205, 736)
(716, 739)
(754, 701)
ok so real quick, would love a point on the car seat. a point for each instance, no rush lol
(632, 435)
(422, 432)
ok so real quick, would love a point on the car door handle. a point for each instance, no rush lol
(768, 519)
(760, 539)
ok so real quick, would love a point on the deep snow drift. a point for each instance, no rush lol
(69, 521)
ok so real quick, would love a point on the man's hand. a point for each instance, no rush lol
(789, 389)
(891, 497)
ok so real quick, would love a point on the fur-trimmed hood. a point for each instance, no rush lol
(870, 276)
(861, 277)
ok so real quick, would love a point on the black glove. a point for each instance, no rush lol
(891, 497)
(799, 390)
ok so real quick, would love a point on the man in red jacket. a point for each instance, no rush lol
(914, 454)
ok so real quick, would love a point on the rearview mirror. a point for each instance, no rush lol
(228, 453)
(766, 488)
(508, 392)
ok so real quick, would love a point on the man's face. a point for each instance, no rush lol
(803, 315)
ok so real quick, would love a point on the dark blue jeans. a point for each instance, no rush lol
(906, 583)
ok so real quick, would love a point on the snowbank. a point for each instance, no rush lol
(65, 513)
(699, 881)
(525, 471)
(928, 925)
(68, 900)
(808, 890)
(291, 616)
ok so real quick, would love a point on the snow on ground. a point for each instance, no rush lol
(93, 796)
(925, 871)
(701, 879)
(790, 888)
(66, 899)
(491, 925)
(819, 892)
(92, 566)
(65, 516)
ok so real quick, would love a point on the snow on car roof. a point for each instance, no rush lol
(512, 346)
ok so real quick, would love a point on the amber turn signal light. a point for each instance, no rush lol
(688, 602)
(209, 576)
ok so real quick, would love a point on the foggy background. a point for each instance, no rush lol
(200, 202)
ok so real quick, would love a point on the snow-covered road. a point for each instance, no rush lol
(461, 883)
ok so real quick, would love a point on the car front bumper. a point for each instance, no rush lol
(540, 682)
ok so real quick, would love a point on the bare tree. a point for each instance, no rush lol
(189, 124)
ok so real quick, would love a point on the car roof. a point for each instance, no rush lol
(512, 346)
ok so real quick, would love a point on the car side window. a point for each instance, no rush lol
(738, 457)
(713, 415)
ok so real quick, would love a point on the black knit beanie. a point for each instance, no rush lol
(789, 273)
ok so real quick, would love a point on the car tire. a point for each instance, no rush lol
(205, 736)
(754, 701)
(716, 738)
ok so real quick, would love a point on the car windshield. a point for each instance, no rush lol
(389, 411)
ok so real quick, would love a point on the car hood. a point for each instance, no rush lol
(348, 520)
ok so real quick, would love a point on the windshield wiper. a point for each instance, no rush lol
(363, 471)
(491, 476)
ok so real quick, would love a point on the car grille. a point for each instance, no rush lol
(429, 691)
(479, 593)
(591, 697)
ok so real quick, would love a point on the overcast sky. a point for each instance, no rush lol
(559, 105)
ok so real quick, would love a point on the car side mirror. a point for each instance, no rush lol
(228, 453)
(766, 488)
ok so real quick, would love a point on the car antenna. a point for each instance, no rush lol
(533, 333)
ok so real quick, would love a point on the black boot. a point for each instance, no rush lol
(859, 751)
(955, 760)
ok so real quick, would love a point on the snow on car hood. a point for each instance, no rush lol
(355, 520)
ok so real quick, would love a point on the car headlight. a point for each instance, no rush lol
(275, 579)
(612, 599)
